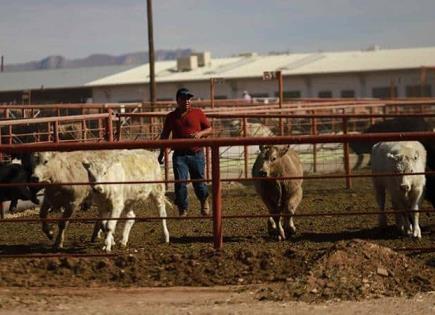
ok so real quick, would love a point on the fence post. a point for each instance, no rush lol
(245, 147)
(372, 119)
(109, 126)
(346, 156)
(207, 162)
(384, 111)
(10, 131)
(118, 128)
(166, 153)
(281, 97)
(217, 194)
(1, 141)
(212, 84)
(314, 132)
(56, 132)
(84, 132)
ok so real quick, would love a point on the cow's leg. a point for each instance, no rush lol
(43, 214)
(359, 161)
(98, 226)
(407, 226)
(416, 232)
(290, 207)
(127, 227)
(117, 208)
(281, 232)
(13, 205)
(63, 225)
(271, 227)
(401, 218)
(160, 202)
(273, 221)
(380, 199)
(275, 211)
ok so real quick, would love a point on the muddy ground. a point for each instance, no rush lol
(345, 258)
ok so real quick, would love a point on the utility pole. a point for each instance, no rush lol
(151, 54)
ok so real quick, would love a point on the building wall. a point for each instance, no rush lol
(359, 85)
(335, 84)
(119, 94)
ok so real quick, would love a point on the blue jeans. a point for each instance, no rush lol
(185, 164)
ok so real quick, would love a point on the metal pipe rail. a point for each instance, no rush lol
(223, 103)
(215, 145)
(33, 184)
(71, 106)
(53, 119)
(257, 115)
(218, 142)
(93, 220)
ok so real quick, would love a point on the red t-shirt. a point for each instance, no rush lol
(182, 126)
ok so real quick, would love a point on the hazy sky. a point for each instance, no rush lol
(34, 29)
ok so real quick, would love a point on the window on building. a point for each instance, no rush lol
(325, 94)
(418, 91)
(290, 94)
(259, 94)
(384, 92)
(347, 93)
(130, 101)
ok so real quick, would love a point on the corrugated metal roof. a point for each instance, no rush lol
(233, 67)
(290, 64)
(55, 79)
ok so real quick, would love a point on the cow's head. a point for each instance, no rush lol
(235, 128)
(43, 168)
(271, 155)
(99, 171)
(404, 164)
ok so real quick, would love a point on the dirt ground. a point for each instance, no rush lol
(330, 258)
(191, 300)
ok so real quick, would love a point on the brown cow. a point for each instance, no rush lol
(281, 196)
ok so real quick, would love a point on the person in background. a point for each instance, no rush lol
(246, 97)
(187, 122)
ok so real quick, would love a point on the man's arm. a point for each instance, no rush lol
(206, 127)
(203, 133)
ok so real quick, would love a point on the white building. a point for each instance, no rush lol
(370, 73)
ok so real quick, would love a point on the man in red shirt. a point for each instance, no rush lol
(187, 122)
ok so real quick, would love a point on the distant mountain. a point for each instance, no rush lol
(95, 60)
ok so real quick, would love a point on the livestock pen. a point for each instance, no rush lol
(330, 216)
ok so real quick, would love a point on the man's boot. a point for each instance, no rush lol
(182, 212)
(205, 208)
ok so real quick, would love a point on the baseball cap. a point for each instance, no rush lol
(183, 92)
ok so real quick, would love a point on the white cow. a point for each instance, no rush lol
(405, 190)
(253, 129)
(57, 168)
(116, 199)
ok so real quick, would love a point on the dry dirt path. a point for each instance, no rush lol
(183, 300)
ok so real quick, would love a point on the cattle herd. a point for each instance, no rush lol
(281, 196)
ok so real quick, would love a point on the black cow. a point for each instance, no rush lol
(16, 173)
(400, 124)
